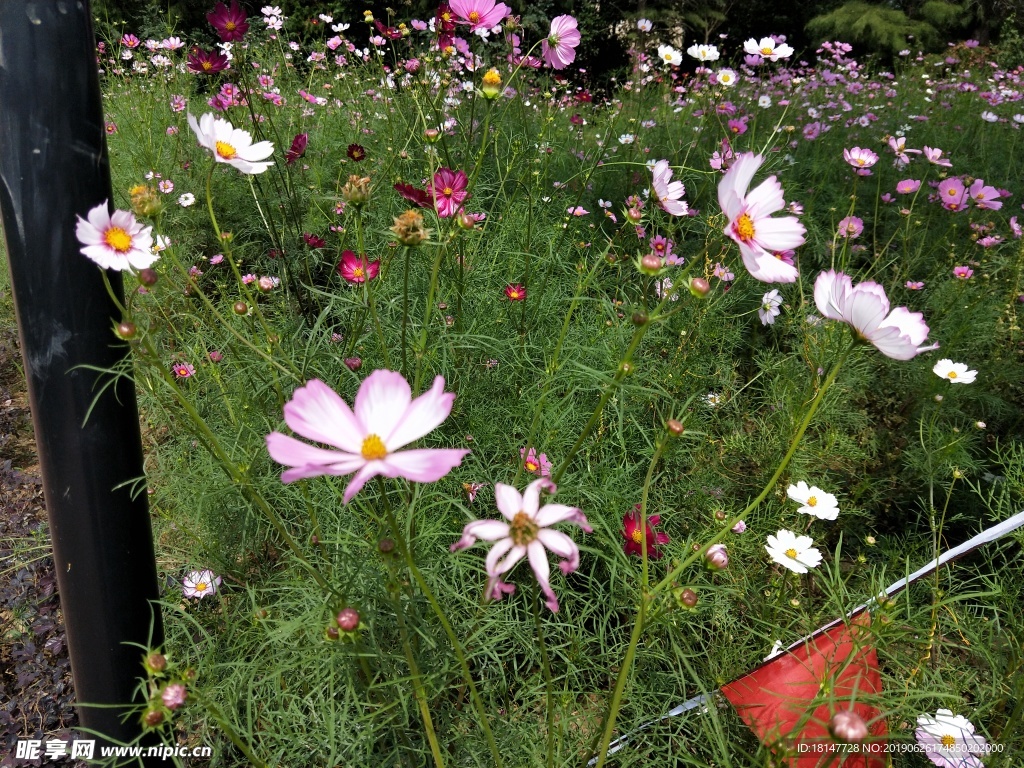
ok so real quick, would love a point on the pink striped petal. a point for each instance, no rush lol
(513, 553)
(317, 412)
(542, 570)
(563, 546)
(550, 514)
(423, 415)
(422, 465)
(308, 460)
(381, 402)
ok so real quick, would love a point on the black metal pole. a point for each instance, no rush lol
(53, 165)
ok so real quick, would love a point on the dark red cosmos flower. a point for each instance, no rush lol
(230, 22)
(576, 120)
(356, 152)
(313, 241)
(418, 197)
(634, 538)
(297, 149)
(515, 292)
(206, 62)
(390, 33)
(445, 18)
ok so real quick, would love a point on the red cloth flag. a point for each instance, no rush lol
(839, 669)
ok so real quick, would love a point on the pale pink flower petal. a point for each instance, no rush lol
(542, 570)
(422, 416)
(317, 412)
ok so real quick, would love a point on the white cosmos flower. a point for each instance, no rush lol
(792, 551)
(644, 25)
(949, 740)
(231, 145)
(670, 55)
(767, 48)
(726, 77)
(703, 52)
(954, 373)
(814, 501)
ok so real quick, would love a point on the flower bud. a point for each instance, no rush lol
(848, 727)
(719, 515)
(353, 363)
(240, 308)
(640, 318)
(409, 228)
(148, 276)
(348, 619)
(356, 190)
(686, 598)
(431, 135)
(650, 264)
(155, 663)
(716, 558)
(125, 330)
(626, 367)
(675, 427)
(386, 546)
(633, 215)
(152, 718)
(465, 221)
(699, 287)
(740, 527)
(491, 86)
(145, 201)
(331, 633)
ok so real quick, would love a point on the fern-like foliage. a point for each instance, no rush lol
(876, 27)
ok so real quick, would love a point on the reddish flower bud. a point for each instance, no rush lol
(148, 276)
(675, 427)
(348, 619)
(699, 287)
(848, 727)
(716, 557)
(353, 363)
(240, 308)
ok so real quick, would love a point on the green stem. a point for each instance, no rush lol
(405, 313)
(232, 734)
(421, 349)
(460, 653)
(546, 666)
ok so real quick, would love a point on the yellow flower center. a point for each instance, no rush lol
(951, 192)
(523, 530)
(118, 239)
(766, 51)
(744, 227)
(947, 740)
(474, 17)
(531, 465)
(447, 191)
(446, 16)
(790, 553)
(230, 26)
(226, 151)
(201, 586)
(207, 65)
(373, 448)
(492, 77)
(812, 502)
(637, 536)
(358, 272)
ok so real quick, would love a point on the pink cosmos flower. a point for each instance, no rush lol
(851, 227)
(914, 285)
(480, 14)
(908, 186)
(934, 156)
(963, 273)
(448, 191)
(953, 194)
(525, 532)
(667, 193)
(559, 48)
(750, 223)
(367, 438)
(1016, 228)
(899, 148)
(534, 463)
(183, 370)
(174, 695)
(985, 196)
(861, 159)
(865, 308)
(115, 241)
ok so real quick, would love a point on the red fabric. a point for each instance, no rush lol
(775, 698)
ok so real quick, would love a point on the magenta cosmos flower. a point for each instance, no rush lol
(115, 241)
(525, 532)
(559, 48)
(634, 536)
(758, 235)
(230, 22)
(666, 192)
(480, 14)
(865, 308)
(206, 62)
(448, 191)
(357, 270)
(367, 438)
